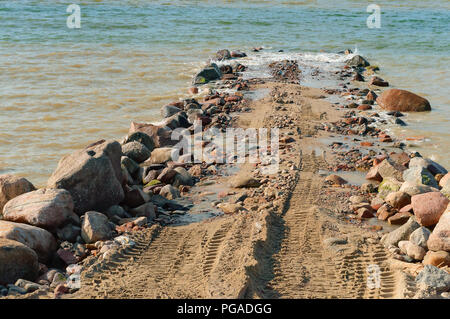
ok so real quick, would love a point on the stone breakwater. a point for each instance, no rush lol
(98, 197)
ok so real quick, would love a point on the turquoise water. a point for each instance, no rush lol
(61, 88)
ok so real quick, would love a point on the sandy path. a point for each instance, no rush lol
(254, 255)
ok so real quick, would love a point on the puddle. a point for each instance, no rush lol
(353, 177)
(386, 226)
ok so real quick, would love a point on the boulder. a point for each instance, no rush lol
(403, 101)
(401, 233)
(387, 186)
(389, 168)
(95, 227)
(373, 174)
(138, 152)
(223, 55)
(17, 261)
(116, 210)
(429, 207)
(433, 167)
(420, 237)
(148, 210)
(440, 237)
(38, 239)
(385, 211)
(399, 218)
(130, 165)
(377, 81)
(46, 208)
(412, 189)
(169, 192)
(437, 258)
(334, 179)
(445, 181)
(177, 120)
(412, 250)
(167, 175)
(419, 176)
(169, 110)
(209, 73)
(93, 176)
(398, 199)
(358, 61)
(160, 135)
(182, 177)
(12, 186)
(433, 278)
(142, 138)
(160, 155)
(68, 233)
(135, 197)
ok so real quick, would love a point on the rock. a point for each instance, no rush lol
(403, 101)
(407, 208)
(169, 110)
(243, 179)
(238, 54)
(160, 135)
(182, 177)
(434, 278)
(355, 199)
(138, 152)
(334, 179)
(429, 207)
(135, 197)
(147, 210)
(67, 256)
(12, 186)
(45, 208)
(209, 73)
(387, 186)
(38, 239)
(358, 61)
(433, 167)
(142, 138)
(169, 192)
(364, 212)
(419, 176)
(93, 176)
(17, 261)
(29, 286)
(167, 175)
(385, 211)
(420, 237)
(229, 208)
(398, 199)
(401, 233)
(412, 250)
(445, 180)
(412, 189)
(390, 168)
(440, 237)
(130, 165)
(369, 188)
(373, 174)
(68, 233)
(60, 289)
(177, 120)
(375, 80)
(437, 258)
(223, 55)
(95, 227)
(116, 210)
(160, 155)
(399, 218)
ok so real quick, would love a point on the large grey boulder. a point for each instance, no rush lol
(358, 61)
(93, 176)
(142, 138)
(431, 277)
(419, 176)
(38, 239)
(433, 167)
(138, 152)
(209, 73)
(420, 237)
(17, 261)
(169, 110)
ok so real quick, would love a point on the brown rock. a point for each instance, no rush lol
(160, 135)
(429, 207)
(95, 227)
(399, 218)
(403, 101)
(375, 80)
(93, 176)
(335, 180)
(38, 239)
(12, 186)
(46, 208)
(440, 237)
(373, 174)
(385, 211)
(437, 258)
(364, 212)
(398, 199)
(407, 208)
(444, 180)
(167, 175)
(17, 261)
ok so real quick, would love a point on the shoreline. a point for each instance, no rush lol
(233, 253)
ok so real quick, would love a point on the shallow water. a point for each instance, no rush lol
(61, 88)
